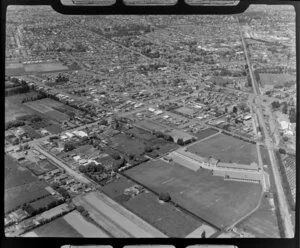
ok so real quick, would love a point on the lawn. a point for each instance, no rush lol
(57, 228)
(211, 198)
(226, 149)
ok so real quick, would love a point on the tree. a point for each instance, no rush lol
(164, 196)
(82, 169)
(284, 107)
(275, 104)
(55, 185)
(63, 192)
(292, 115)
(203, 235)
(234, 109)
(282, 151)
(180, 142)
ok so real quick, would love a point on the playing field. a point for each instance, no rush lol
(211, 198)
(206, 133)
(226, 149)
(262, 223)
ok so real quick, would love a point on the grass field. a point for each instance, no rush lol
(20, 185)
(263, 223)
(45, 67)
(206, 133)
(57, 228)
(31, 132)
(14, 69)
(275, 79)
(211, 198)
(167, 218)
(226, 149)
(15, 108)
(44, 106)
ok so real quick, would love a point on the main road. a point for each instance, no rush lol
(282, 201)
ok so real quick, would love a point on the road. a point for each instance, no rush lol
(71, 172)
(282, 201)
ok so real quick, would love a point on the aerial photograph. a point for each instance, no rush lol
(150, 126)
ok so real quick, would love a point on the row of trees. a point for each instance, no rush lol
(34, 98)
(34, 211)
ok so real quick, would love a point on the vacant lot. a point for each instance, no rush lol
(57, 228)
(211, 198)
(85, 228)
(275, 79)
(15, 108)
(262, 223)
(185, 111)
(45, 67)
(226, 149)
(31, 132)
(206, 133)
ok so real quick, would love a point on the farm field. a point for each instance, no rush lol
(57, 228)
(85, 228)
(44, 106)
(15, 108)
(226, 149)
(275, 79)
(20, 185)
(216, 201)
(206, 133)
(263, 222)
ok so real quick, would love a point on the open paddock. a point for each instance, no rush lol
(41, 167)
(57, 228)
(226, 149)
(214, 200)
(45, 67)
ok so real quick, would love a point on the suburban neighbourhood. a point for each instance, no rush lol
(150, 125)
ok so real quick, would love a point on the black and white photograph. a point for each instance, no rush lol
(150, 125)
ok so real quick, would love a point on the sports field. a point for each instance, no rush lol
(226, 149)
(164, 216)
(211, 198)
(262, 223)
